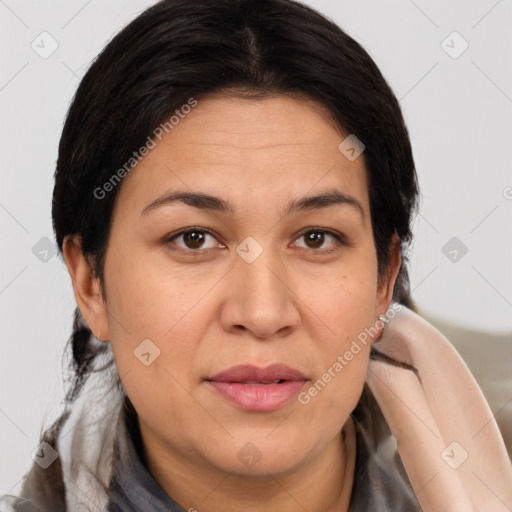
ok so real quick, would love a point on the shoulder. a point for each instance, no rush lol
(42, 488)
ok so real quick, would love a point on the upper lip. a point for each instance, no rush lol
(251, 373)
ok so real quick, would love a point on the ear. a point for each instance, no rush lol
(387, 281)
(86, 287)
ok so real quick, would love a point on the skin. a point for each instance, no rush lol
(208, 311)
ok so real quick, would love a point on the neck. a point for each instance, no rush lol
(324, 484)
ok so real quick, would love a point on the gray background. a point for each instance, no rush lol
(458, 109)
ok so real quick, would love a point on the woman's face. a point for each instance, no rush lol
(248, 278)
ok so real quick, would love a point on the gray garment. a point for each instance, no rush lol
(133, 488)
(380, 481)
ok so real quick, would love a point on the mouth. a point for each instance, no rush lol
(258, 389)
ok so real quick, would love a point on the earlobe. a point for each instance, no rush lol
(86, 287)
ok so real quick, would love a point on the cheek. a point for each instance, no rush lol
(347, 314)
(340, 382)
(156, 356)
(345, 305)
(149, 297)
(334, 392)
(148, 314)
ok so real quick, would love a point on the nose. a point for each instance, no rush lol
(259, 299)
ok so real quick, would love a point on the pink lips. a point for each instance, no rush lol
(258, 389)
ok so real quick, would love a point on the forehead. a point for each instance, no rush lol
(248, 150)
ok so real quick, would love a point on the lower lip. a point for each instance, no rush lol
(258, 397)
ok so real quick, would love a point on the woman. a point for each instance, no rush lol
(233, 196)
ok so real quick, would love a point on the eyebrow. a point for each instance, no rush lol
(208, 202)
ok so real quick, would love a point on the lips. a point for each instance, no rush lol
(258, 389)
(253, 374)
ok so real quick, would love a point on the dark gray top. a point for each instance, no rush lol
(380, 481)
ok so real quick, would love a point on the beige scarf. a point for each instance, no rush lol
(447, 437)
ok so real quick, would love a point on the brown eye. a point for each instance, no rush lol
(315, 238)
(193, 240)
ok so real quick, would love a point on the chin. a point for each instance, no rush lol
(262, 454)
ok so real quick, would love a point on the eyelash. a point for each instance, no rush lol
(340, 240)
